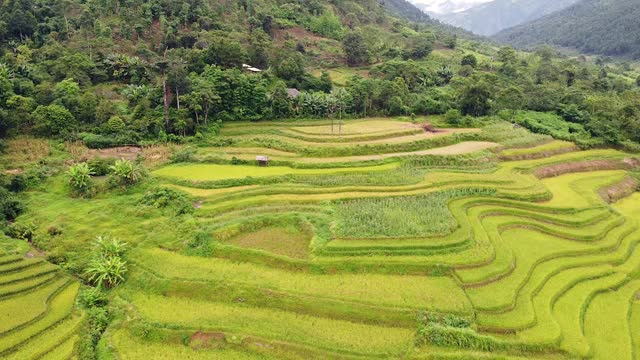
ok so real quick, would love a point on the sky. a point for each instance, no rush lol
(446, 6)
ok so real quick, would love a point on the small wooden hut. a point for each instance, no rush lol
(262, 160)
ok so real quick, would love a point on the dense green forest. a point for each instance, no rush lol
(113, 73)
(591, 26)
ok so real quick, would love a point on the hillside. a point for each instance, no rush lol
(284, 179)
(592, 26)
(492, 17)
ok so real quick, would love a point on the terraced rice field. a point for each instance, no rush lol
(368, 246)
(526, 250)
(37, 316)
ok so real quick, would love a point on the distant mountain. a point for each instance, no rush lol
(608, 27)
(411, 12)
(494, 16)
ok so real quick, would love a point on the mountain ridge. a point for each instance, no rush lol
(503, 14)
(591, 26)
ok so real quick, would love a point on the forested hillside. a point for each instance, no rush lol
(591, 26)
(111, 73)
(492, 17)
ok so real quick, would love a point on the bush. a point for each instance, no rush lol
(94, 301)
(165, 198)
(101, 167)
(126, 172)
(92, 297)
(10, 206)
(453, 117)
(79, 177)
(21, 231)
(108, 266)
(183, 155)
(95, 141)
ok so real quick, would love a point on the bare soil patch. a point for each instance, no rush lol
(14, 171)
(153, 155)
(620, 190)
(583, 166)
(209, 340)
(539, 155)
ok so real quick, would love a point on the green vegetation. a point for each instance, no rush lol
(335, 257)
(427, 195)
(207, 172)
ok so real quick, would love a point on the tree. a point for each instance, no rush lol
(226, 53)
(356, 49)
(327, 25)
(507, 55)
(289, 65)
(475, 99)
(445, 74)
(470, 60)
(6, 85)
(325, 82)
(638, 81)
(419, 46)
(178, 80)
(280, 102)
(53, 120)
(510, 99)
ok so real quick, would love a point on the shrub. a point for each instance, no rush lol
(106, 271)
(101, 167)
(94, 301)
(54, 231)
(126, 172)
(94, 141)
(21, 231)
(108, 266)
(92, 297)
(165, 198)
(453, 117)
(110, 247)
(183, 155)
(79, 177)
(10, 206)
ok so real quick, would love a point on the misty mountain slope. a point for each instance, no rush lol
(492, 17)
(411, 12)
(608, 27)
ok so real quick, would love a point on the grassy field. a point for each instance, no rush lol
(210, 172)
(383, 242)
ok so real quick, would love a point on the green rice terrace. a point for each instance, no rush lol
(376, 238)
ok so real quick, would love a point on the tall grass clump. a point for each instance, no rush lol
(177, 202)
(407, 216)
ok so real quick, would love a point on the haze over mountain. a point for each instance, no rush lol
(609, 27)
(488, 18)
(440, 7)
